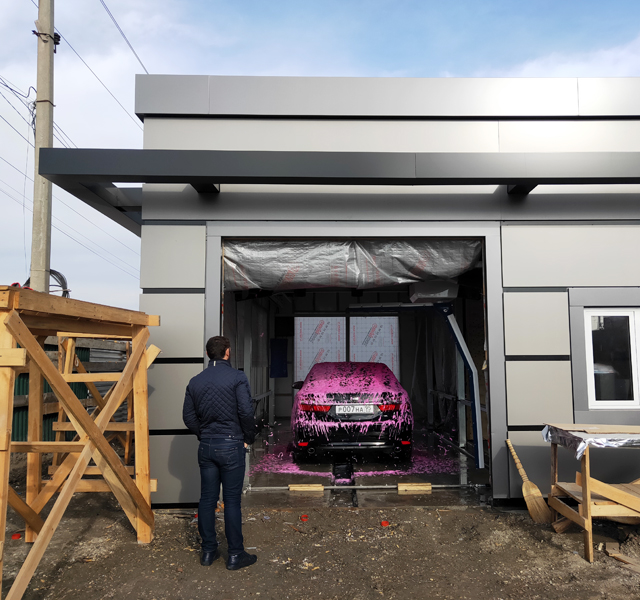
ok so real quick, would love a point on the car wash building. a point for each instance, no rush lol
(479, 236)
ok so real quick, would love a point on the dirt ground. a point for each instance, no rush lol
(472, 552)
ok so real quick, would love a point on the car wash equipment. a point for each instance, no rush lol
(536, 504)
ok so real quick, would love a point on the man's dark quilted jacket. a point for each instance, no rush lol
(217, 404)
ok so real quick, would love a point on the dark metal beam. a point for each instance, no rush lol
(70, 167)
(520, 189)
(206, 188)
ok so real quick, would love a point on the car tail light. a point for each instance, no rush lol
(388, 407)
(303, 443)
(405, 443)
(323, 408)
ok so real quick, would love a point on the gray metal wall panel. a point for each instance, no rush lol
(321, 135)
(167, 383)
(616, 96)
(569, 255)
(368, 96)
(174, 463)
(172, 94)
(536, 323)
(181, 331)
(539, 392)
(296, 203)
(213, 288)
(569, 136)
(172, 257)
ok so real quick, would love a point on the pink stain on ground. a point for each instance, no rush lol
(280, 462)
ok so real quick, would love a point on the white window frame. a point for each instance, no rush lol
(634, 334)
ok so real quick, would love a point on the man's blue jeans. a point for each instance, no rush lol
(221, 460)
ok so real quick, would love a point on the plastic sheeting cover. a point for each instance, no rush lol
(579, 440)
(288, 265)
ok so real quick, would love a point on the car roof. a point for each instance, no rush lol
(349, 378)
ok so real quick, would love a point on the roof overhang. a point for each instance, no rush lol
(89, 173)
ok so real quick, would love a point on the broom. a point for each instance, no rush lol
(536, 505)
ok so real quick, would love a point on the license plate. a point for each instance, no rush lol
(354, 409)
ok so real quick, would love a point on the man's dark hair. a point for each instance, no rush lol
(217, 347)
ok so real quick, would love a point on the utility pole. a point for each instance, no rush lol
(41, 231)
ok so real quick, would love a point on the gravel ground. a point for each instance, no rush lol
(424, 552)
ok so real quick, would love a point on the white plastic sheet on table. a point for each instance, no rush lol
(578, 441)
(297, 264)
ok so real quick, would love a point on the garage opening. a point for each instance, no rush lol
(415, 305)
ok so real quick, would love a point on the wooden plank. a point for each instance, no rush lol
(306, 487)
(47, 303)
(53, 323)
(566, 511)
(75, 410)
(100, 485)
(13, 357)
(615, 494)
(5, 299)
(612, 510)
(46, 447)
(141, 432)
(99, 336)
(414, 488)
(90, 377)
(93, 390)
(90, 470)
(574, 490)
(7, 381)
(30, 517)
(34, 434)
(586, 504)
(111, 426)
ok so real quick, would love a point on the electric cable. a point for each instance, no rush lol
(71, 209)
(77, 232)
(75, 240)
(66, 41)
(12, 127)
(123, 35)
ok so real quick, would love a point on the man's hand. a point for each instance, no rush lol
(246, 445)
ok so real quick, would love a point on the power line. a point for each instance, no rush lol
(123, 35)
(66, 41)
(75, 240)
(12, 127)
(71, 209)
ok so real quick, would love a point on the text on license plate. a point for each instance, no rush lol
(354, 409)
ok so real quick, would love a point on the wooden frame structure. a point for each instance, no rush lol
(26, 319)
(595, 498)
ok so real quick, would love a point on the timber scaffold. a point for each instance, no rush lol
(27, 318)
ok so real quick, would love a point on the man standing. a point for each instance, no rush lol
(219, 411)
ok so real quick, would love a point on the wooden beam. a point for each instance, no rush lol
(47, 303)
(77, 413)
(90, 377)
(7, 382)
(54, 323)
(46, 447)
(93, 390)
(30, 517)
(112, 426)
(100, 485)
(89, 470)
(34, 434)
(13, 357)
(100, 336)
(141, 421)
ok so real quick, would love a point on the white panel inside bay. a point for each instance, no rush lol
(318, 339)
(375, 339)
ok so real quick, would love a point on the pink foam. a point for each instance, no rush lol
(350, 378)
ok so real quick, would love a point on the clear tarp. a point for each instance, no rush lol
(582, 436)
(299, 264)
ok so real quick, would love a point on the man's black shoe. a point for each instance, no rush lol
(209, 557)
(239, 561)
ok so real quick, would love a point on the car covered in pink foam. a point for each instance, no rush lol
(351, 406)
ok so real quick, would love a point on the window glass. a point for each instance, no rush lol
(612, 367)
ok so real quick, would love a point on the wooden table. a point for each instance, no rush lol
(595, 498)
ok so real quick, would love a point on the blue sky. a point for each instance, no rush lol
(400, 38)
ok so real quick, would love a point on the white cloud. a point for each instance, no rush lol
(616, 61)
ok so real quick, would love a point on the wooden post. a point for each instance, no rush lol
(34, 434)
(554, 475)
(7, 382)
(129, 435)
(586, 506)
(141, 447)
